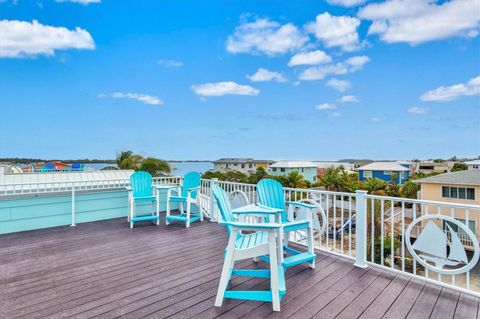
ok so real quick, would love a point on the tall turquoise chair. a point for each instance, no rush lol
(270, 193)
(186, 195)
(260, 241)
(142, 192)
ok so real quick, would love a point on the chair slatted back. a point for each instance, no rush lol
(223, 204)
(141, 183)
(270, 193)
(190, 180)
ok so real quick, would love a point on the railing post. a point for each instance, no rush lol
(361, 229)
(73, 206)
(213, 215)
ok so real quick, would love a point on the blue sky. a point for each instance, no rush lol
(396, 79)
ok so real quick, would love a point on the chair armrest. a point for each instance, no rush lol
(247, 226)
(299, 204)
(129, 188)
(294, 223)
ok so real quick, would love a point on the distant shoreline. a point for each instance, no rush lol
(21, 160)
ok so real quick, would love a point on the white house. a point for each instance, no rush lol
(475, 164)
(244, 165)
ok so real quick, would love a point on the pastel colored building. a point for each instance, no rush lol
(461, 187)
(385, 171)
(305, 168)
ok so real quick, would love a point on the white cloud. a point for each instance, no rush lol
(336, 31)
(418, 110)
(29, 39)
(350, 65)
(338, 85)
(357, 62)
(334, 114)
(376, 119)
(144, 98)
(85, 2)
(325, 106)
(449, 93)
(223, 88)
(170, 63)
(264, 75)
(417, 21)
(310, 58)
(264, 36)
(346, 3)
(348, 99)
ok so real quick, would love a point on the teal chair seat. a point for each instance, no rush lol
(178, 199)
(145, 199)
(251, 240)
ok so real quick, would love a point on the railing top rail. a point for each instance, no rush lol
(424, 202)
(118, 180)
(319, 191)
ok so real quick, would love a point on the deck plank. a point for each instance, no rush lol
(446, 304)
(467, 307)
(105, 270)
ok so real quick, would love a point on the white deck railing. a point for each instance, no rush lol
(359, 226)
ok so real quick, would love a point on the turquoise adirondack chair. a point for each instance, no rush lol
(270, 193)
(185, 195)
(260, 241)
(142, 192)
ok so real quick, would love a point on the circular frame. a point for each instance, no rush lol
(467, 267)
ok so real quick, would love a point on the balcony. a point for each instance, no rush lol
(101, 268)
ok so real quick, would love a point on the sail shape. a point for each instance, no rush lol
(432, 241)
(457, 252)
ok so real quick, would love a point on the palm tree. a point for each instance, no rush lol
(155, 166)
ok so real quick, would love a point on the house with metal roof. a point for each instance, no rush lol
(244, 165)
(475, 164)
(305, 168)
(386, 171)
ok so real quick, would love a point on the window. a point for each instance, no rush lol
(387, 172)
(471, 226)
(243, 165)
(274, 169)
(250, 165)
(282, 169)
(458, 192)
(367, 174)
(471, 193)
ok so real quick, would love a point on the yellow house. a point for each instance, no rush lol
(461, 187)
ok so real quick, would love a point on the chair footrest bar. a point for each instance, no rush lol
(144, 218)
(182, 218)
(257, 295)
(291, 251)
(298, 259)
(260, 273)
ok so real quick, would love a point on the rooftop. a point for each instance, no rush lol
(241, 160)
(104, 269)
(384, 166)
(470, 177)
(293, 164)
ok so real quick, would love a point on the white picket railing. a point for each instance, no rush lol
(359, 226)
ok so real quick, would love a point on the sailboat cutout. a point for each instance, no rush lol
(433, 243)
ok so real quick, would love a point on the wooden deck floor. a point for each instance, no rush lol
(105, 270)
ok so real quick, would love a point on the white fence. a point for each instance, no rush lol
(371, 230)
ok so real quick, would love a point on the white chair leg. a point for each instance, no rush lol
(227, 265)
(199, 209)
(167, 214)
(274, 271)
(188, 213)
(311, 248)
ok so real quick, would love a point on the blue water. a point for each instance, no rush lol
(178, 169)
